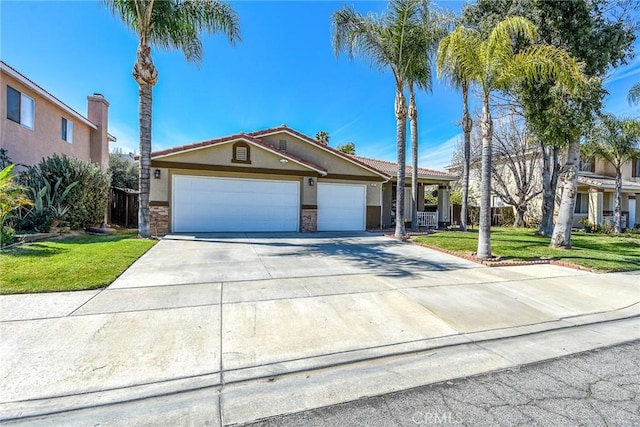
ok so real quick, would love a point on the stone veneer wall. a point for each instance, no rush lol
(309, 221)
(159, 220)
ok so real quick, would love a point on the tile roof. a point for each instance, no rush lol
(601, 181)
(236, 137)
(304, 137)
(391, 169)
(381, 167)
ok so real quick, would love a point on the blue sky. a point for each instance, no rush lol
(284, 71)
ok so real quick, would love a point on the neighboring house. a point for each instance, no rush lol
(596, 198)
(275, 179)
(36, 124)
(596, 192)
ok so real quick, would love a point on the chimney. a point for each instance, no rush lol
(98, 114)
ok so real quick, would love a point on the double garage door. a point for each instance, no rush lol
(208, 204)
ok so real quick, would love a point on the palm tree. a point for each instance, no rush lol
(493, 64)
(448, 67)
(634, 94)
(347, 148)
(386, 42)
(616, 141)
(322, 137)
(424, 42)
(166, 24)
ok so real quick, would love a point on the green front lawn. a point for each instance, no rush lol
(75, 263)
(599, 252)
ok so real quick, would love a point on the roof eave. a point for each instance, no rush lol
(42, 92)
(328, 149)
(246, 138)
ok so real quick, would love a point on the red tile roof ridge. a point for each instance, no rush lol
(317, 143)
(425, 171)
(233, 137)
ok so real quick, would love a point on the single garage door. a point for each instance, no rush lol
(226, 204)
(341, 207)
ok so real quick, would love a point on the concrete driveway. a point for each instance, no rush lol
(231, 312)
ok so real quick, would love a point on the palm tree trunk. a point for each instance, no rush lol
(561, 237)
(467, 125)
(401, 138)
(618, 208)
(484, 237)
(413, 120)
(145, 159)
(146, 75)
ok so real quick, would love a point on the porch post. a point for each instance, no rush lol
(637, 221)
(596, 199)
(444, 206)
(420, 197)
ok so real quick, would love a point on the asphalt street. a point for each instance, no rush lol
(596, 388)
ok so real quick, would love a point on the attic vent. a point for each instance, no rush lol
(241, 154)
(282, 145)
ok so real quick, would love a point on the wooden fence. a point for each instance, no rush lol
(123, 207)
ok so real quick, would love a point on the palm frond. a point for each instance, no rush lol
(177, 24)
(542, 62)
(458, 56)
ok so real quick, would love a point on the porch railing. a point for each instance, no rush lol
(427, 219)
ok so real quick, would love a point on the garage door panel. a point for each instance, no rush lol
(341, 207)
(222, 204)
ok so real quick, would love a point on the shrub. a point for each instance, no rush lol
(124, 171)
(12, 197)
(87, 201)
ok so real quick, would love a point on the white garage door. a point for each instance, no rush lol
(224, 204)
(341, 207)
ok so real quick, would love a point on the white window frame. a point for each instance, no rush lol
(69, 130)
(27, 110)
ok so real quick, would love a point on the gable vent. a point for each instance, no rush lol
(282, 145)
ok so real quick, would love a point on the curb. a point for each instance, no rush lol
(21, 411)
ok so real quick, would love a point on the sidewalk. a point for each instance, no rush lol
(236, 351)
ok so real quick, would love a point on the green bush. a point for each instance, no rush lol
(87, 200)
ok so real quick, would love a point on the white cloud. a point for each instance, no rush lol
(439, 156)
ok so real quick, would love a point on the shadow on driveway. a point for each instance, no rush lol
(373, 253)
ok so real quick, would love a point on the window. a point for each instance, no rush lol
(282, 145)
(588, 164)
(635, 168)
(19, 107)
(67, 130)
(241, 153)
(582, 203)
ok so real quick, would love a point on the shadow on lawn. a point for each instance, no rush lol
(33, 250)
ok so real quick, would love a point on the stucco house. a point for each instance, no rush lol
(36, 124)
(595, 200)
(275, 179)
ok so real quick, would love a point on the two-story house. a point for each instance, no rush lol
(596, 198)
(36, 124)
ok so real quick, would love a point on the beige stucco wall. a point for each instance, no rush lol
(29, 146)
(222, 155)
(331, 162)
(161, 188)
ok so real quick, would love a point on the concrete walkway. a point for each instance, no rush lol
(226, 329)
